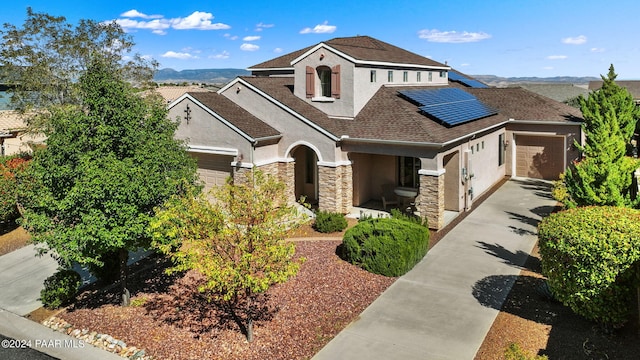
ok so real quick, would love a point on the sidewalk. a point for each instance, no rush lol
(444, 307)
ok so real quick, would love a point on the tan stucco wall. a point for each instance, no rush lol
(203, 129)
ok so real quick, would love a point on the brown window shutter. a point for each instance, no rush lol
(310, 84)
(335, 82)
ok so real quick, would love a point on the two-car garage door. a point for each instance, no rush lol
(540, 157)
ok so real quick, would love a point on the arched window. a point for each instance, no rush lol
(324, 74)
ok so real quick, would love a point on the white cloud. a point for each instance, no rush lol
(249, 47)
(221, 56)
(557, 57)
(465, 64)
(231, 37)
(261, 26)
(452, 36)
(323, 28)
(178, 55)
(135, 13)
(251, 38)
(597, 50)
(578, 40)
(278, 50)
(198, 20)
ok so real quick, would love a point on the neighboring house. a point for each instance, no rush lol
(632, 85)
(557, 92)
(351, 120)
(13, 136)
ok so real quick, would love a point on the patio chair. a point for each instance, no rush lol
(388, 196)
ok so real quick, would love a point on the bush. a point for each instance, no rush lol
(109, 272)
(10, 168)
(329, 222)
(385, 246)
(60, 288)
(590, 256)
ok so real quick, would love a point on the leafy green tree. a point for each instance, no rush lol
(43, 58)
(604, 176)
(107, 164)
(238, 243)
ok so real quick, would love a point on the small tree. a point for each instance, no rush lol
(604, 177)
(238, 243)
(107, 164)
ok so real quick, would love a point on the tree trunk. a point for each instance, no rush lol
(249, 317)
(124, 273)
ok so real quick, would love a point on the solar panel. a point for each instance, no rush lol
(450, 106)
(466, 81)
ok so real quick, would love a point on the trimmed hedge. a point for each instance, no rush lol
(60, 288)
(385, 246)
(329, 222)
(590, 256)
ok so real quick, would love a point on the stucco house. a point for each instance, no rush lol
(355, 119)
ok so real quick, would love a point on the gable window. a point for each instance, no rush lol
(327, 80)
(419, 76)
(373, 76)
(390, 76)
(405, 76)
(408, 171)
(324, 73)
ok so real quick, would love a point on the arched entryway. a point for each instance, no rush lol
(306, 174)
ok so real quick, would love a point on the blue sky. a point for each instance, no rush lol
(499, 37)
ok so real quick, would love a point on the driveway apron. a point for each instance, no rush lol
(444, 307)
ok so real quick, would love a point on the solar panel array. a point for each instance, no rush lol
(466, 81)
(450, 106)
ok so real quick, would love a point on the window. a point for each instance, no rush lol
(390, 76)
(329, 83)
(373, 76)
(405, 76)
(443, 74)
(418, 76)
(501, 149)
(324, 73)
(408, 171)
(430, 76)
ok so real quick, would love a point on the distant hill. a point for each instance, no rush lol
(503, 81)
(207, 76)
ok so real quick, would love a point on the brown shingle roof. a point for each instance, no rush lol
(363, 48)
(236, 115)
(389, 117)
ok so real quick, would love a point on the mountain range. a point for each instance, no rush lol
(222, 76)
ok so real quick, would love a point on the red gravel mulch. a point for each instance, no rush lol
(171, 320)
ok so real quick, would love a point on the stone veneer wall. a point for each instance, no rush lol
(284, 171)
(430, 200)
(335, 188)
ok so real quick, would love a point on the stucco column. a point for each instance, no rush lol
(335, 188)
(430, 200)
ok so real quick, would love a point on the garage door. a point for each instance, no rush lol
(540, 157)
(213, 169)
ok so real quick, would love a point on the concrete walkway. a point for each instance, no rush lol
(444, 307)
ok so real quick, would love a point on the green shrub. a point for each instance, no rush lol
(590, 256)
(515, 352)
(109, 272)
(329, 222)
(397, 214)
(60, 288)
(385, 246)
(11, 167)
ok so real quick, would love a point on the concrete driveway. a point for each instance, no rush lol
(444, 307)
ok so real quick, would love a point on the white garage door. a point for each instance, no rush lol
(213, 169)
(540, 157)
